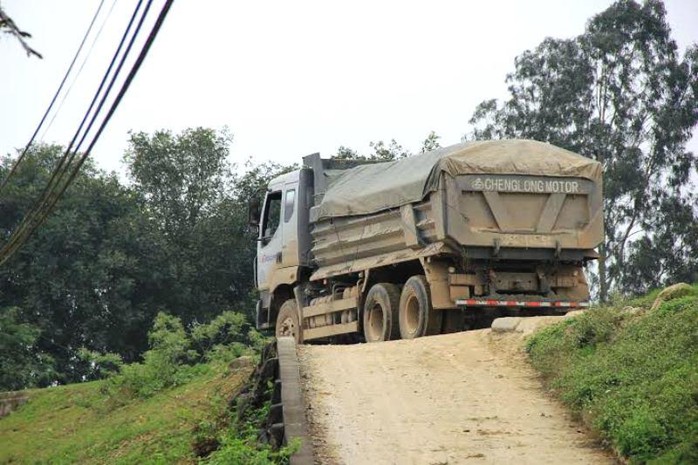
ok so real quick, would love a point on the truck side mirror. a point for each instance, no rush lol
(253, 212)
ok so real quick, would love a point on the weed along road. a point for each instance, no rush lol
(464, 398)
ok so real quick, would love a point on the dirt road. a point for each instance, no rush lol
(465, 398)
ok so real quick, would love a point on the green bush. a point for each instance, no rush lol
(228, 330)
(237, 450)
(173, 355)
(633, 377)
(101, 365)
(22, 363)
(239, 442)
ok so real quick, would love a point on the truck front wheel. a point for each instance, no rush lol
(417, 316)
(380, 312)
(287, 322)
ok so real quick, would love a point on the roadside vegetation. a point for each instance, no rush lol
(629, 371)
(176, 406)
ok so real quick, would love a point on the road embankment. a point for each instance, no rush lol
(462, 398)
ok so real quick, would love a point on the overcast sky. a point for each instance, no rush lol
(289, 78)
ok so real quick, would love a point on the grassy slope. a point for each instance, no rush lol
(631, 376)
(76, 424)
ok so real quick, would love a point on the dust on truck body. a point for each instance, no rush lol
(437, 242)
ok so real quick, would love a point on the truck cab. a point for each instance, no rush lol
(283, 242)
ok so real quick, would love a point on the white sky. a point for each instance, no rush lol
(290, 78)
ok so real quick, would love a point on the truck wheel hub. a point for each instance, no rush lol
(412, 314)
(288, 328)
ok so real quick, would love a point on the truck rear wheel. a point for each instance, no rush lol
(287, 322)
(417, 316)
(380, 313)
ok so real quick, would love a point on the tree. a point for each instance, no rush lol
(619, 93)
(182, 176)
(345, 153)
(90, 276)
(189, 189)
(387, 152)
(21, 363)
(381, 152)
(430, 143)
(8, 26)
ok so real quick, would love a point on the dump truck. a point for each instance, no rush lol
(437, 242)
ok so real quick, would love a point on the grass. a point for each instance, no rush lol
(631, 376)
(166, 409)
(80, 423)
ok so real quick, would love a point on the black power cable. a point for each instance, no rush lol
(36, 213)
(69, 154)
(77, 75)
(53, 100)
(12, 246)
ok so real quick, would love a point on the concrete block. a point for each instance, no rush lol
(506, 324)
(574, 313)
(532, 324)
(672, 292)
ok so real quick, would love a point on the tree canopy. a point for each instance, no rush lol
(623, 94)
(112, 256)
(8, 27)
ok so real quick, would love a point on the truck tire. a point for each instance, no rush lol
(380, 313)
(287, 322)
(417, 317)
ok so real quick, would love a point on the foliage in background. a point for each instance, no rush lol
(620, 93)
(111, 256)
(176, 355)
(8, 26)
(91, 276)
(175, 406)
(382, 151)
(101, 365)
(22, 365)
(631, 375)
(184, 181)
(430, 143)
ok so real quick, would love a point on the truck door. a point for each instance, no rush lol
(289, 248)
(270, 239)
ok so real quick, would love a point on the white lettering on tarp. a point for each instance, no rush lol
(526, 185)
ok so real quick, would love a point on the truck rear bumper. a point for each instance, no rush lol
(520, 303)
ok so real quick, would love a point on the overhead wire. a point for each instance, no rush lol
(69, 154)
(44, 208)
(13, 169)
(124, 88)
(79, 72)
(36, 213)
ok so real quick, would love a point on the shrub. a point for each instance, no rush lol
(164, 365)
(226, 336)
(22, 363)
(101, 365)
(633, 378)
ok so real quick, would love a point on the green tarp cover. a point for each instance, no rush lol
(372, 188)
